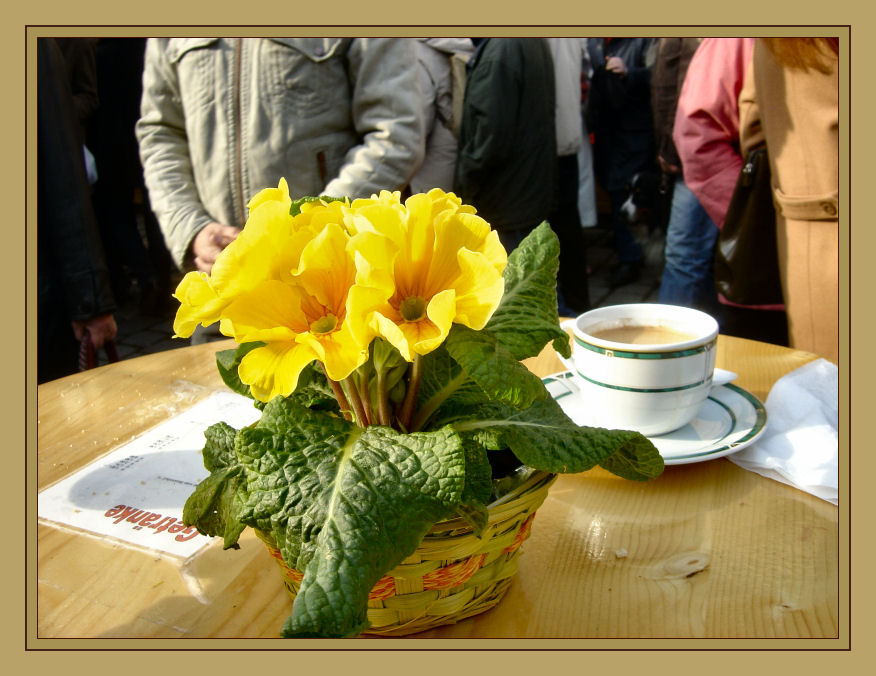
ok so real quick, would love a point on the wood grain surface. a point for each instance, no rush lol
(707, 550)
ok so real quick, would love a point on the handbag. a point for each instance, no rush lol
(746, 254)
(88, 355)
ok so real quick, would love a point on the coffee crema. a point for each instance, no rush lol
(636, 334)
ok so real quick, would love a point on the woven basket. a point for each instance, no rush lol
(453, 574)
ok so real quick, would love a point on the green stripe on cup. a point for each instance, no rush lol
(672, 354)
(624, 388)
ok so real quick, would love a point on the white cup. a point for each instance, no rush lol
(652, 387)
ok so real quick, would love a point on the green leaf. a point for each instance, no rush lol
(295, 209)
(344, 504)
(496, 371)
(526, 319)
(543, 437)
(442, 380)
(476, 515)
(478, 473)
(227, 362)
(635, 459)
(215, 504)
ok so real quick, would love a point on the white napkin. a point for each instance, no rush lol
(799, 446)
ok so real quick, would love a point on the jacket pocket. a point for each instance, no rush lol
(179, 47)
(824, 207)
(196, 64)
(306, 77)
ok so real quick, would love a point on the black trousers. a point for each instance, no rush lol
(573, 283)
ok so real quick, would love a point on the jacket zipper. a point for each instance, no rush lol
(236, 130)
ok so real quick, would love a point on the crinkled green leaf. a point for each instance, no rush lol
(526, 319)
(543, 437)
(476, 515)
(442, 380)
(478, 473)
(344, 504)
(295, 209)
(635, 459)
(227, 362)
(495, 370)
(214, 506)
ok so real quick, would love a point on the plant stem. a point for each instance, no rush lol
(384, 414)
(433, 403)
(410, 400)
(356, 402)
(365, 396)
(340, 396)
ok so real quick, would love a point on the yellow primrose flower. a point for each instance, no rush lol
(436, 263)
(268, 247)
(300, 319)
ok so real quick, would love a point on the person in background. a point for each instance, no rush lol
(706, 135)
(689, 256)
(436, 85)
(619, 116)
(791, 101)
(118, 193)
(222, 118)
(573, 285)
(507, 154)
(587, 211)
(73, 287)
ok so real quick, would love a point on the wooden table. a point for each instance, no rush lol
(712, 550)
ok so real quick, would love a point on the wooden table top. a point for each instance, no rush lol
(710, 550)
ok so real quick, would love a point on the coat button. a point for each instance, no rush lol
(829, 209)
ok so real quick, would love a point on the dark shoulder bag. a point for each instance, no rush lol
(746, 255)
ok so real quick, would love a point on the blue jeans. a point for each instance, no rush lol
(689, 268)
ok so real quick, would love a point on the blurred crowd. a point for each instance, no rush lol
(149, 150)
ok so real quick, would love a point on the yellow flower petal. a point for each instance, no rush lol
(326, 270)
(278, 194)
(273, 370)
(479, 289)
(199, 304)
(343, 354)
(270, 312)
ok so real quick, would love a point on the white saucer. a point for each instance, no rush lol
(729, 420)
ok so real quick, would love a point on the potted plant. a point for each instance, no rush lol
(403, 447)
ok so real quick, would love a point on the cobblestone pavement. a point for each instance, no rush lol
(141, 334)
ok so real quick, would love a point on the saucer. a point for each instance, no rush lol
(730, 419)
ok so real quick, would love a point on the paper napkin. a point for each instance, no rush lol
(799, 446)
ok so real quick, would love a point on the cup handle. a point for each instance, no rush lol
(722, 377)
(567, 325)
(568, 363)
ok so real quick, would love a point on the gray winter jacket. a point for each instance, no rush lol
(222, 118)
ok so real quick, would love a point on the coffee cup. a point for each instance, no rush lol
(643, 366)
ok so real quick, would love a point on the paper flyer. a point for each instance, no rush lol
(136, 493)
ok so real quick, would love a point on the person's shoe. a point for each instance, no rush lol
(625, 273)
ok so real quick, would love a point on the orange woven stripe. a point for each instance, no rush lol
(522, 534)
(443, 578)
(454, 574)
(384, 588)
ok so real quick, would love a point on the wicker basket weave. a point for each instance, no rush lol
(453, 574)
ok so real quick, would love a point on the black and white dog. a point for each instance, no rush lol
(646, 200)
(647, 208)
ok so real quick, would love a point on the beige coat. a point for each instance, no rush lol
(796, 112)
(222, 118)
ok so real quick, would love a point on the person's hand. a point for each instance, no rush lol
(615, 64)
(209, 242)
(102, 328)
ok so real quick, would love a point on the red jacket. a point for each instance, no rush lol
(706, 131)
